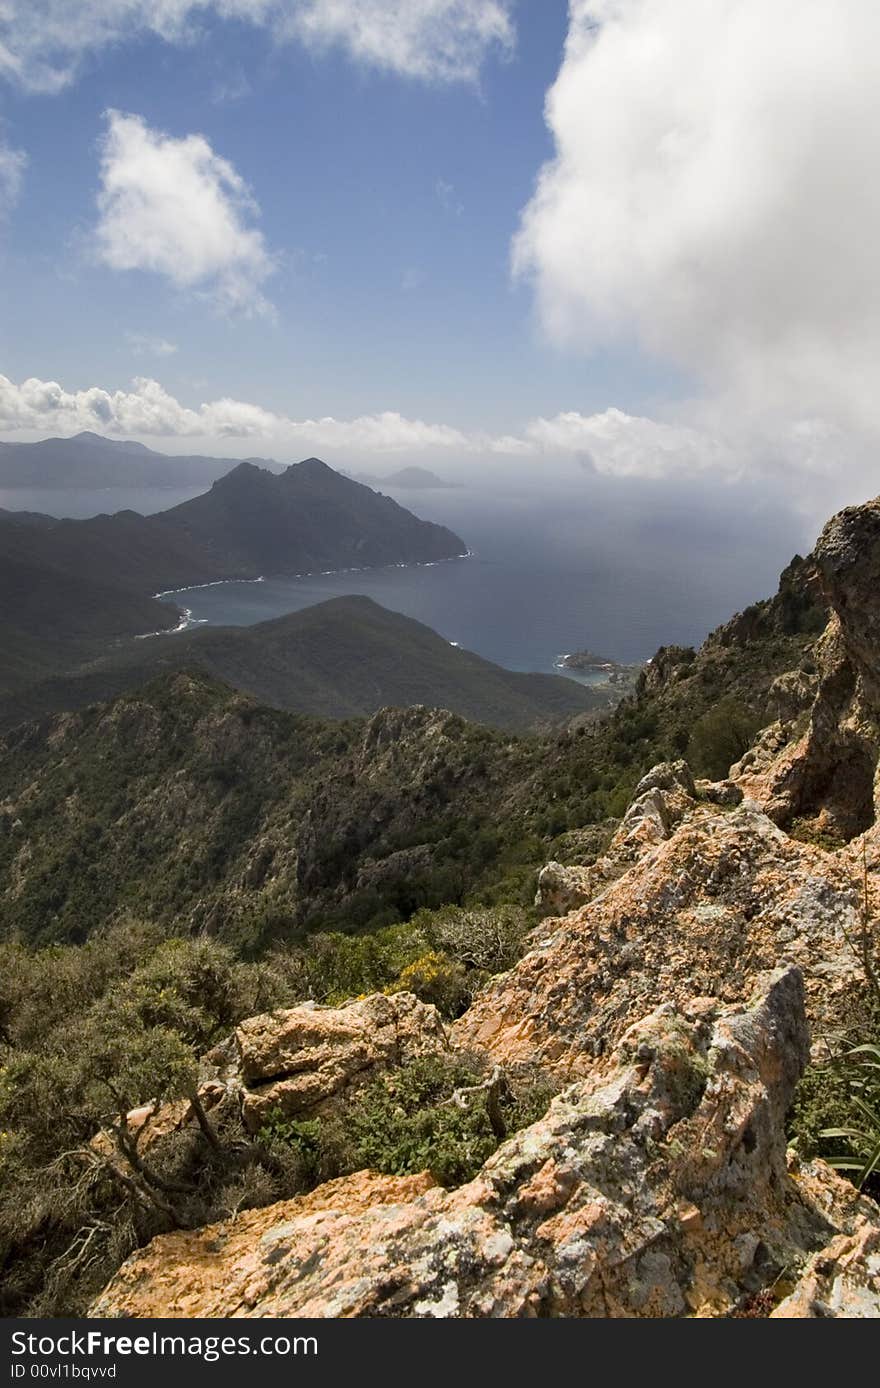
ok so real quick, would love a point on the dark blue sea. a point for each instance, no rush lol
(618, 568)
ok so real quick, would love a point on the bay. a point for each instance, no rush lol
(619, 569)
(553, 572)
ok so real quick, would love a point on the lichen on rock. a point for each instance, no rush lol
(657, 1186)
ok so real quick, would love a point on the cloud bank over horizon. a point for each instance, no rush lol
(612, 443)
(608, 444)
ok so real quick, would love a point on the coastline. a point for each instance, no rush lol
(319, 573)
(188, 621)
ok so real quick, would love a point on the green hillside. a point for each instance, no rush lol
(339, 659)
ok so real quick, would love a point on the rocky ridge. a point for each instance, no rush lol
(656, 1187)
(672, 998)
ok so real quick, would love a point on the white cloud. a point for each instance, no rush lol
(613, 443)
(12, 167)
(145, 345)
(437, 40)
(42, 42)
(148, 409)
(388, 432)
(714, 195)
(622, 445)
(174, 207)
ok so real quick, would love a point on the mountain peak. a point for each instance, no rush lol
(243, 472)
(309, 467)
(88, 436)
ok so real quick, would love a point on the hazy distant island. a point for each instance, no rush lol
(416, 479)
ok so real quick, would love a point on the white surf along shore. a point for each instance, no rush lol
(187, 620)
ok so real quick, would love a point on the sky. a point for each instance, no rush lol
(630, 237)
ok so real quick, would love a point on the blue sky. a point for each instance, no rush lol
(313, 225)
(390, 203)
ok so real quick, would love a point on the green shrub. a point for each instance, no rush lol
(862, 1131)
(807, 831)
(405, 1121)
(720, 737)
(488, 939)
(836, 1111)
(437, 979)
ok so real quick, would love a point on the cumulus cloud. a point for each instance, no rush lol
(612, 443)
(42, 42)
(388, 432)
(176, 208)
(147, 409)
(714, 196)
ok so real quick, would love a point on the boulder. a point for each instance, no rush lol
(727, 794)
(662, 799)
(704, 911)
(656, 1187)
(667, 775)
(562, 889)
(299, 1059)
(792, 694)
(841, 1280)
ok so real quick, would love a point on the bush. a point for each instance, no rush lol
(331, 967)
(437, 979)
(89, 1033)
(443, 956)
(720, 737)
(405, 1122)
(488, 939)
(862, 1130)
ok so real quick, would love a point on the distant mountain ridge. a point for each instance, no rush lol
(249, 523)
(339, 659)
(89, 460)
(406, 479)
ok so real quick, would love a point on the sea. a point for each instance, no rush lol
(583, 563)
